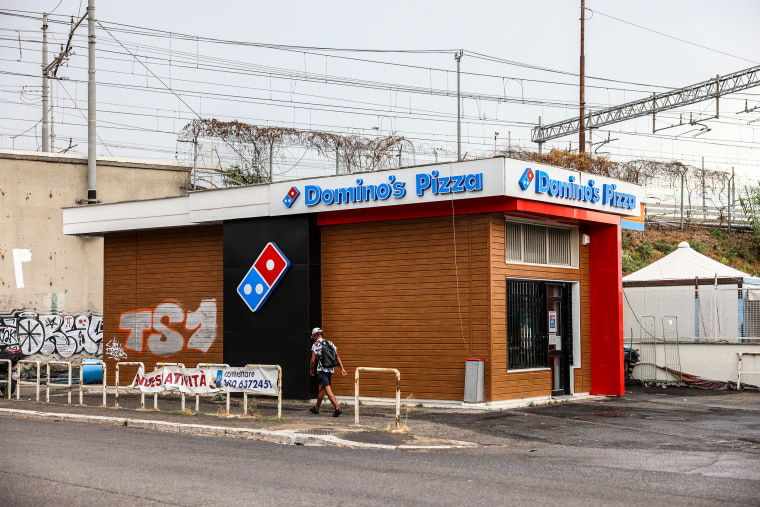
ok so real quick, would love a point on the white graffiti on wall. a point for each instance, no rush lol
(65, 335)
(20, 255)
(166, 326)
(115, 351)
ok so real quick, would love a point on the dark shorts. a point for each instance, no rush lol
(323, 377)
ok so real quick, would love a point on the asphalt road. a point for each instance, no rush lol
(48, 463)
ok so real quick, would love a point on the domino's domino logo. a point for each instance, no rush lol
(262, 278)
(526, 178)
(291, 197)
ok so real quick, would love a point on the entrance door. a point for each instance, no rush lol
(539, 329)
(560, 341)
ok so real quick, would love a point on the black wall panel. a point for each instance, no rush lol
(279, 333)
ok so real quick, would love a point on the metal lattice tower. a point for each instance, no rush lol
(706, 90)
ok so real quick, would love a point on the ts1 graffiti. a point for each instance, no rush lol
(162, 330)
(47, 335)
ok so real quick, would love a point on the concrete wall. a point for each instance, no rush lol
(53, 274)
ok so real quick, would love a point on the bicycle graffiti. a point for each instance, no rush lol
(53, 334)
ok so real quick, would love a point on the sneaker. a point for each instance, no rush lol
(313, 410)
(337, 412)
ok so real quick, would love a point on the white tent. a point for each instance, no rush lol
(698, 296)
(692, 314)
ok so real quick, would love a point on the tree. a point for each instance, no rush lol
(751, 205)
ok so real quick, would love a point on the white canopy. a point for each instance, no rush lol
(682, 264)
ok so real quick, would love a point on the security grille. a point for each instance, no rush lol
(538, 244)
(527, 336)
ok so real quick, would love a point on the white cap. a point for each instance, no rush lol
(316, 330)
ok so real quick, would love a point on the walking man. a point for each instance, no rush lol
(323, 373)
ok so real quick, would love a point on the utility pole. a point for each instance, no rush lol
(458, 58)
(731, 185)
(45, 105)
(582, 132)
(195, 162)
(495, 135)
(704, 203)
(540, 144)
(683, 174)
(52, 116)
(91, 148)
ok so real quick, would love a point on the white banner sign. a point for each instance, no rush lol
(174, 378)
(257, 380)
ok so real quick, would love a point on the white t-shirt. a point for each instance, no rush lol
(317, 349)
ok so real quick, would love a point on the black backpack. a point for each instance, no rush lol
(328, 355)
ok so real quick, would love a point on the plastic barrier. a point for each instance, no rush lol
(279, 390)
(142, 394)
(18, 382)
(92, 372)
(398, 391)
(81, 382)
(198, 396)
(47, 384)
(9, 380)
(739, 379)
(155, 395)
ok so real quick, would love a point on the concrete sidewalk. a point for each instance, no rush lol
(643, 414)
(297, 426)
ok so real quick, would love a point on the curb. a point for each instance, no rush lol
(285, 437)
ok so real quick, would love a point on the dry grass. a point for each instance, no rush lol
(641, 248)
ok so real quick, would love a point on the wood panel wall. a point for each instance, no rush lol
(399, 295)
(179, 267)
(583, 374)
(531, 383)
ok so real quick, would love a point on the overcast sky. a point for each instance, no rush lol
(148, 89)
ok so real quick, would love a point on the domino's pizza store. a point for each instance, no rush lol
(418, 269)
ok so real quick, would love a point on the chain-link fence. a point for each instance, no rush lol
(659, 320)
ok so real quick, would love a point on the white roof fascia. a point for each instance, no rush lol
(229, 204)
(491, 177)
(125, 216)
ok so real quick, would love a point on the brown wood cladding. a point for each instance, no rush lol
(392, 297)
(180, 268)
(533, 383)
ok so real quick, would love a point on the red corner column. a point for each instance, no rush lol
(606, 309)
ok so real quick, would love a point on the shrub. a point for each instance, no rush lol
(664, 246)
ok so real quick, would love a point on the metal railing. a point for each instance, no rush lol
(377, 370)
(47, 383)
(81, 381)
(198, 396)
(155, 395)
(740, 372)
(19, 382)
(693, 214)
(9, 381)
(116, 386)
(279, 390)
